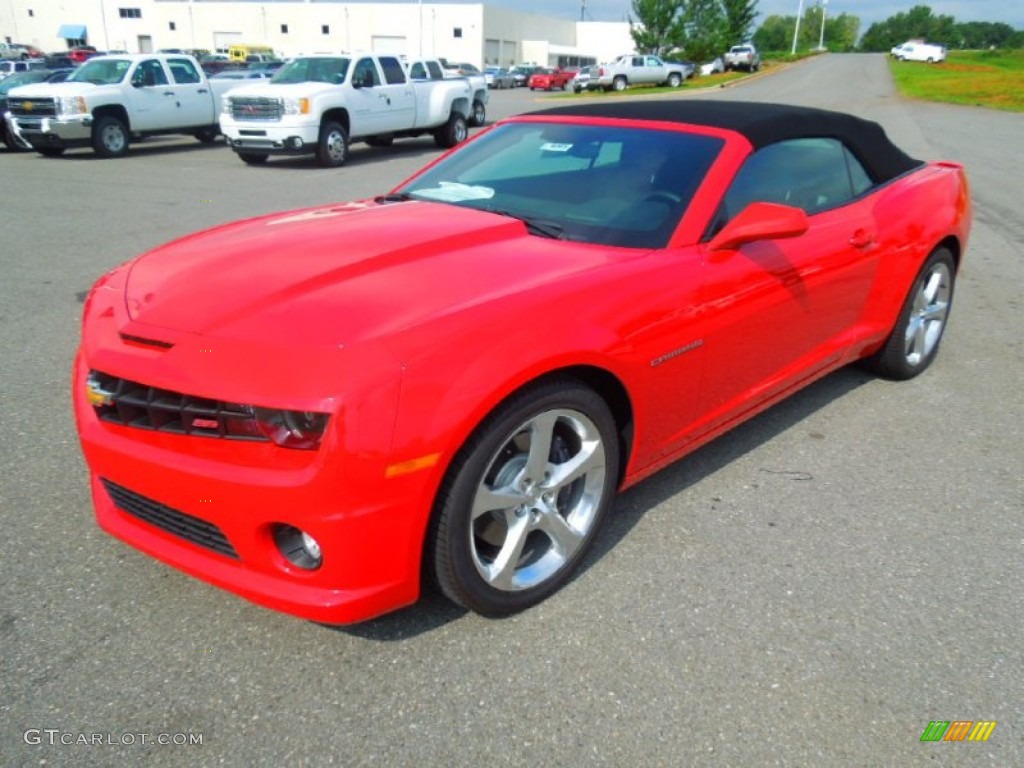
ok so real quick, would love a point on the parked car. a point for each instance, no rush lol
(82, 53)
(742, 57)
(59, 61)
(9, 66)
(915, 51)
(343, 99)
(634, 69)
(521, 73)
(19, 51)
(7, 134)
(549, 79)
(497, 77)
(611, 286)
(714, 67)
(586, 79)
(110, 100)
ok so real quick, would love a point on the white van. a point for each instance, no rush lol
(9, 66)
(913, 51)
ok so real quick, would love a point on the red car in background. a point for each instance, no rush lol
(313, 409)
(82, 53)
(548, 79)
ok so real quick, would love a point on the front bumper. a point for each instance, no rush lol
(210, 506)
(54, 131)
(271, 138)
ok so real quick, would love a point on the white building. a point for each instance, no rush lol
(478, 33)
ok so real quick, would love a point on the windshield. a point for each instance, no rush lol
(322, 70)
(21, 78)
(101, 71)
(594, 184)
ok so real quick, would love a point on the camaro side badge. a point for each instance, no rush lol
(677, 352)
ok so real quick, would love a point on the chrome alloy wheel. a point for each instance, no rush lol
(928, 314)
(538, 500)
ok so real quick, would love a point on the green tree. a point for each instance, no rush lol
(659, 26)
(706, 36)
(919, 23)
(739, 18)
(775, 34)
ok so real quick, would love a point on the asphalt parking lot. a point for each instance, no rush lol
(810, 590)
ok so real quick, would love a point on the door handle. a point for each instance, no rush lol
(862, 238)
(201, 90)
(168, 93)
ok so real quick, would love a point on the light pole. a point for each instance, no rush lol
(821, 38)
(796, 29)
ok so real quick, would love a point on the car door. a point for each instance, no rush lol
(777, 311)
(153, 103)
(653, 71)
(192, 94)
(398, 96)
(369, 101)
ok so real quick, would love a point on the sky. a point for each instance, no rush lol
(869, 11)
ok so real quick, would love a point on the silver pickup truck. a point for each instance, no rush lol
(635, 69)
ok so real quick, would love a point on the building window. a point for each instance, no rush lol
(325, 29)
(130, 13)
(172, 26)
(31, 13)
(284, 29)
(457, 32)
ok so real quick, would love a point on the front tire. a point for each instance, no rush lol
(110, 137)
(253, 158)
(525, 498)
(332, 147)
(452, 133)
(914, 341)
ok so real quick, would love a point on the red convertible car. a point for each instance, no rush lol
(547, 79)
(312, 409)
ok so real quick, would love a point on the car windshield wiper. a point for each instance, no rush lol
(393, 197)
(535, 226)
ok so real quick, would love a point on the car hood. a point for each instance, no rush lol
(56, 90)
(341, 274)
(265, 89)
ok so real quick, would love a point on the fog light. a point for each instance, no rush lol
(296, 142)
(299, 548)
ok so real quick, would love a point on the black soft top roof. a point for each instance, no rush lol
(763, 124)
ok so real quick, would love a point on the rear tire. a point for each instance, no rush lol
(914, 341)
(479, 114)
(620, 84)
(50, 151)
(674, 81)
(452, 133)
(207, 135)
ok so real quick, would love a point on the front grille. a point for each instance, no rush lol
(193, 529)
(256, 108)
(32, 107)
(131, 404)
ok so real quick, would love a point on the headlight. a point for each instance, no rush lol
(72, 105)
(296, 106)
(291, 429)
(225, 106)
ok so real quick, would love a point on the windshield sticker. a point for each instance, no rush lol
(551, 146)
(453, 192)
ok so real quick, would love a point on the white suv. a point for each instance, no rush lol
(912, 51)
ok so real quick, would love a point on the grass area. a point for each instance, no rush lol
(696, 83)
(992, 79)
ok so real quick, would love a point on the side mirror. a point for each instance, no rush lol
(760, 221)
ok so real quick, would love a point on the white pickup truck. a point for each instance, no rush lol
(319, 104)
(109, 100)
(637, 69)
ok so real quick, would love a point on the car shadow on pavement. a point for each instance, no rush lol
(434, 611)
